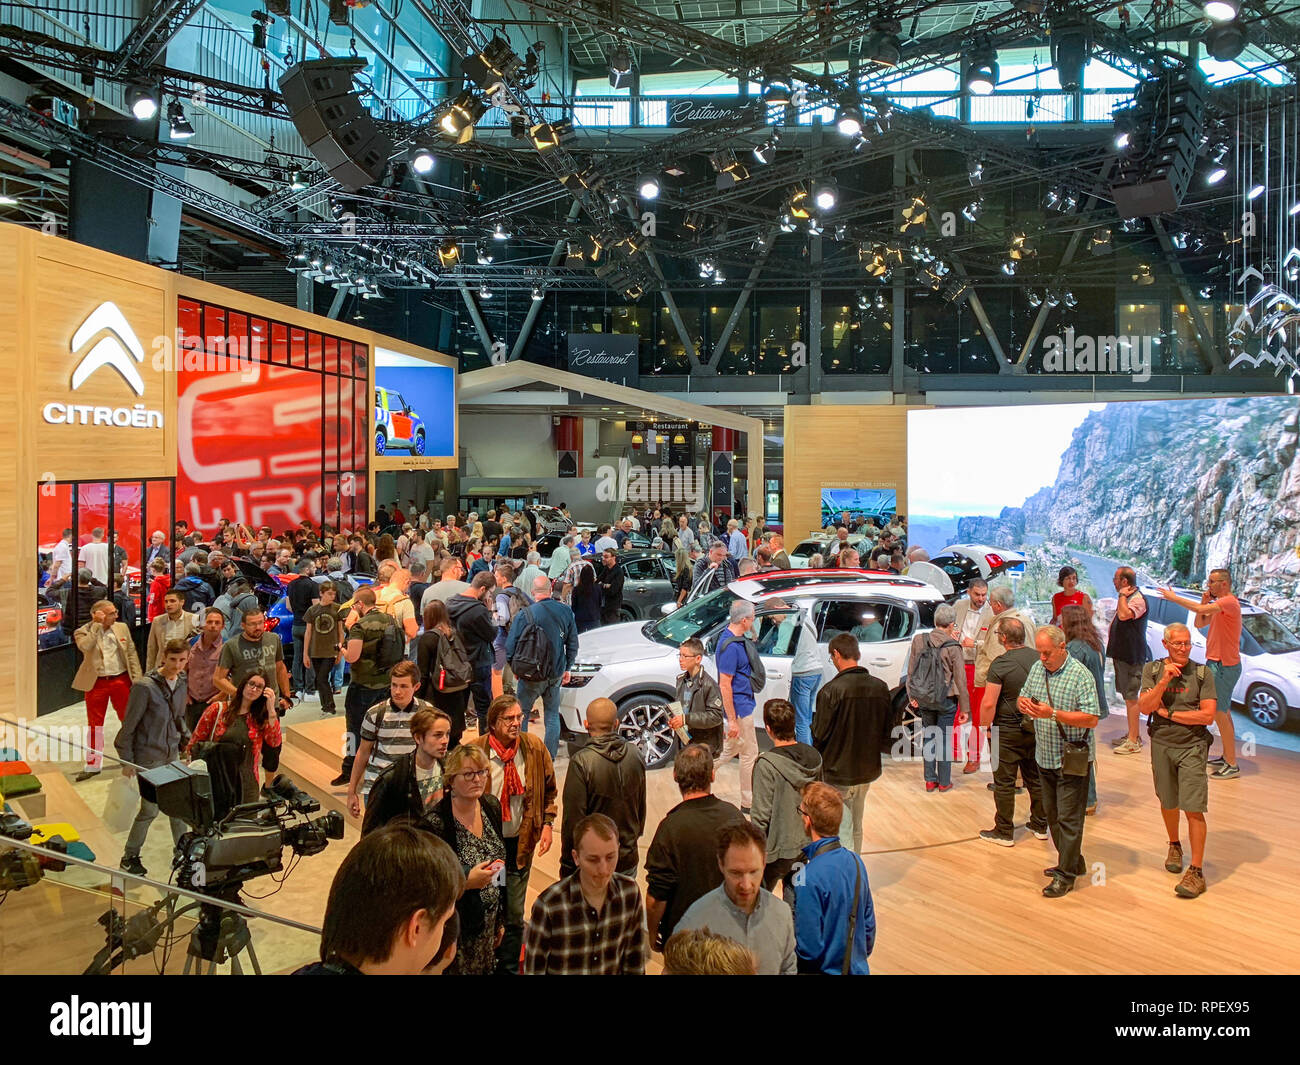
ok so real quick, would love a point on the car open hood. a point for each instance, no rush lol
(614, 644)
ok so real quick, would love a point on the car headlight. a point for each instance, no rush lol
(581, 674)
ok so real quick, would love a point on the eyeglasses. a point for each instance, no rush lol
(804, 812)
(1178, 643)
(473, 774)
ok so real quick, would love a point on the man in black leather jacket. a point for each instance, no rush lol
(607, 776)
(701, 698)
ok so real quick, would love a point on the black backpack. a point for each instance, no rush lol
(534, 656)
(453, 671)
(757, 671)
(927, 684)
(198, 593)
(518, 601)
(390, 646)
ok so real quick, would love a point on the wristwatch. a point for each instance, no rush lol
(1053, 713)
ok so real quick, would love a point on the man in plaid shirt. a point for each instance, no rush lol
(1060, 694)
(591, 923)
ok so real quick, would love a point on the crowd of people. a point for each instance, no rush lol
(775, 884)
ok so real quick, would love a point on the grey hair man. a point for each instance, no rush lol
(1002, 608)
(736, 682)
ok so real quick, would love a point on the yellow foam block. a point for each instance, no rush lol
(43, 833)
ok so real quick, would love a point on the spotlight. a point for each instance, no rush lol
(181, 130)
(620, 65)
(786, 222)
(1069, 300)
(875, 260)
(1020, 247)
(142, 102)
(449, 253)
(1101, 242)
(1179, 240)
(1206, 292)
(484, 252)
(1255, 193)
(798, 205)
(484, 293)
(519, 127)
(707, 268)
(1143, 275)
(1052, 199)
(1034, 299)
(1295, 208)
(982, 71)
(882, 46)
(1216, 174)
(864, 302)
(1220, 10)
(1009, 267)
(766, 151)
(1131, 225)
(537, 293)
(574, 255)
(914, 214)
(730, 170)
(976, 172)
(544, 136)
(848, 116)
(648, 186)
(461, 114)
(422, 162)
(1226, 40)
(1070, 201)
(297, 180)
(776, 88)
(972, 210)
(826, 194)
(500, 232)
(493, 66)
(1071, 49)
(879, 302)
(815, 227)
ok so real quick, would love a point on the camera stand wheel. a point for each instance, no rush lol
(220, 937)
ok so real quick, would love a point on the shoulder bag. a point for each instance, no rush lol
(1074, 755)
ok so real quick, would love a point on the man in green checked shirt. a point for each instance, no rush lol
(1061, 696)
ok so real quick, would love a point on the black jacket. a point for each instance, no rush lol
(475, 626)
(394, 795)
(470, 906)
(610, 580)
(851, 726)
(682, 863)
(606, 777)
(706, 719)
(301, 592)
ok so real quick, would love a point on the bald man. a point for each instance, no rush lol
(606, 777)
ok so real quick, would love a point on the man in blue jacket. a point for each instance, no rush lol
(556, 620)
(831, 893)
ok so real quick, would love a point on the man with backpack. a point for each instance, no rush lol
(936, 690)
(740, 676)
(198, 593)
(236, 601)
(541, 648)
(849, 730)
(508, 601)
(473, 620)
(374, 646)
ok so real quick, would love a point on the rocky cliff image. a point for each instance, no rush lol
(1177, 487)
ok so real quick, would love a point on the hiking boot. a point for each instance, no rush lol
(1225, 771)
(1129, 747)
(1174, 859)
(1192, 883)
(994, 837)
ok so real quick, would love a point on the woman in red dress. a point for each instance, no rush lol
(1068, 579)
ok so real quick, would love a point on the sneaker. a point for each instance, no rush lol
(971, 767)
(86, 774)
(1120, 740)
(944, 787)
(132, 864)
(341, 780)
(1191, 885)
(993, 837)
(1218, 759)
(1174, 859)
(1089, 811)
(930, 785)
(1129, 747)
(1225, 771)
(1039, 833)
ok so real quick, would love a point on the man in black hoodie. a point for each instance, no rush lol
(779, 779)
(413, 784)
(607, 776)
(850, 729)
(473, 620)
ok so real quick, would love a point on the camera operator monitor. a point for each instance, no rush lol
(179, 791)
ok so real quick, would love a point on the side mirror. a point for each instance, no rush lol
(667, 609)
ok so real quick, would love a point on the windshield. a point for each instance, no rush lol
(693, 619)
(1271, 635)
(807, 549)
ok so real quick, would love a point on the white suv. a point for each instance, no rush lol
(1269, 687)
(635, 664)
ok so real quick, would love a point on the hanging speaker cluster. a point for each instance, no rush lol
(337, 129)
(1159, 154)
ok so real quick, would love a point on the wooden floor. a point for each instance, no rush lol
(946, 902)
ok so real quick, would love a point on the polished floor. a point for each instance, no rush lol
(946, 901)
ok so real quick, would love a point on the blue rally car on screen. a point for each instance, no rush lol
(397, 427)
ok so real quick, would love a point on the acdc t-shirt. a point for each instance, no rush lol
(245, 657)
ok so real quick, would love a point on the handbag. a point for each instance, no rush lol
(123, 802)
(1074, 754)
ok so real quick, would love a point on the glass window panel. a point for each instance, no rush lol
(331, 348)
(298, 347)
(314, 351)
(279, 344)
(214, 327)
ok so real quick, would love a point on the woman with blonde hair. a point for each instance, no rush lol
(469, 821)
(1083, 643)
(683, 573)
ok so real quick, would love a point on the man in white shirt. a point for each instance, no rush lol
(605, 542)
(94, 556)
(61, 566)
(736, 546)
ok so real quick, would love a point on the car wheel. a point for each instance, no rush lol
(905, 735)
(381, 441)
(1266, 706)
(643, 721)
(419, 443)
(626, 614)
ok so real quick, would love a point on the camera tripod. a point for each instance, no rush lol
(221, 936)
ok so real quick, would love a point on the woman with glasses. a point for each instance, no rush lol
(469, 821)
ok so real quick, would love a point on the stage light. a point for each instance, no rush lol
(179, 125)
(786, 222)
(1216, 174)
(815, 227)
(484, 252)
(1179, 240)
(914, 215)
(1009, 267)
(707, 268)
(766, 151)
(982, 71)
(142, 102)
(544, 136)
(519, 127)
(972, 210)
(537, 294)
(1101, 242)
(826, 194)
(1226, 40)
(1069, 300)
(882, 45)
(1071, 49)
(1220, 10)
(798, 204)
(620, 65)
(648, 186)
(1295, 208)
(776, 88)
(449, 253)
(297, 180)
(461, 114)
(1034, 299)
(848, 116)
(422, 162)
(490, 68)
(875, 259)
(976, 172)
(1052, 199)
(484, 293)
(731, 171)
(1069, 201)
(500, 232)
(1256, 192)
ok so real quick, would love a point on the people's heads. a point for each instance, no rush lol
(1049, 641)
(174, 602)
(1068, 578)
(384, 572)
(690, 654)
(254, 692)
(1076, 623)
(849, 558)
(467, 771)
(175, 655)
(682, 523)
(96, 534)
(1219, 582)
(944, 616)
(482, 585)
(764, 557)
(717, 552)
(602, 717)
(104, 612)
(881, 559)
(541, 587)
(1125, 577)
(609, 557)
(504, 573)
(451, 569)
(1001, 598)
(978, 593)
(746, 566)
(778, 717)
(505, 718)
(568, 541)
(918, 554)
(436, 617)
(1012, 633)
(741, 616)
(595, 849)
(214, 621)
(844, 650)
(253, 623)
(822, 809)
(364, 600)
(431, 730)
(700, 952)
(742, 855)
(693, 769)
(403, 682)
(1178, 642)
(390, 899)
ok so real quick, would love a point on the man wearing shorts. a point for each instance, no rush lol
(1126, 646)
(1222, 610)
(1178, 695)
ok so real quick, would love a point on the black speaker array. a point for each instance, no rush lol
(336, 128)
(1157, 167)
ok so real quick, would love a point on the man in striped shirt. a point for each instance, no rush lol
(386, 732)
(591, 923)
(1060, 694)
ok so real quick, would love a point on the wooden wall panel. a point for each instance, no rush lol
(17, 492)
(840, 447)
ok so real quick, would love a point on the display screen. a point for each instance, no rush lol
(415, 409)
(879, 504)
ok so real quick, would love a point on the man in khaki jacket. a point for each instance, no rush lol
(1001, 603)
(106, 673)
(173, 624)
